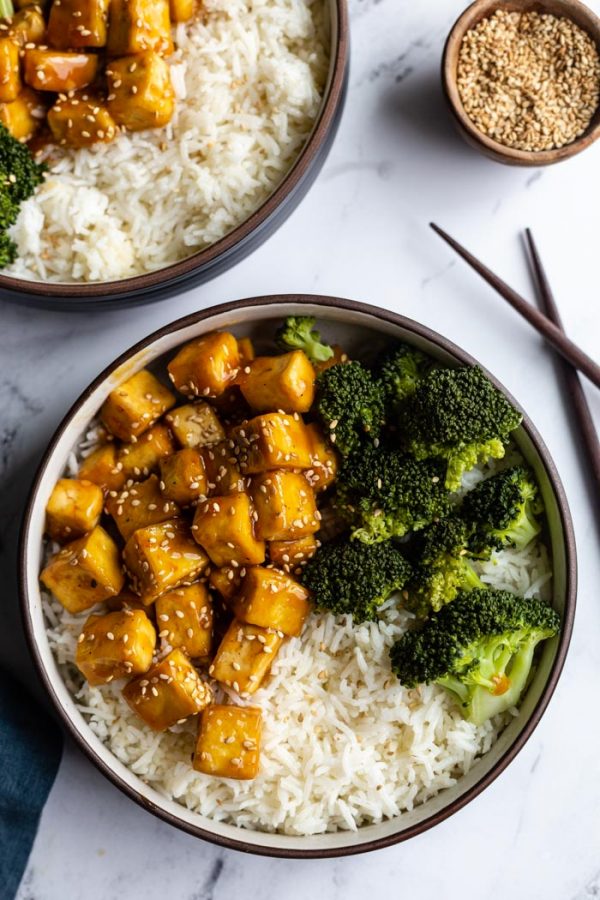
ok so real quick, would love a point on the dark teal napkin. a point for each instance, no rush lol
(30, 751)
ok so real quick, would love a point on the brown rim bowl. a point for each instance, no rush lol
(205, 264)
(357, 327)
(572, 9)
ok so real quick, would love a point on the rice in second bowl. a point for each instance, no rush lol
(249, 79)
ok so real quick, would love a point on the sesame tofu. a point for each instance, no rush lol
(224, 527)
(168, 693)
(77, 122)
(195, 425)
(103, 468)
(78, 23)
(226, 580)
(185, 620)
(284, 382)
(183, 477)
(142, 457)
(181, 10)
(140, 92)
(136, 26)
(228, 743)
(162, 557)
(206, 366)
(74, 507)
(246, 351)
(291, 556)
(10, 78)
(285, 506)
(272, 441)
(59, 70)
(222, 470)
(23, 116)
(28, 26)
(139, 504)
(115, 645)
(244, 656)
(135, 405)
(85, 572)
(324, 459)
(272, 599)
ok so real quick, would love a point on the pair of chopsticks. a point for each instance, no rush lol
(549, 325)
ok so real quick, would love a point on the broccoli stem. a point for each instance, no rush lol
(7, 9)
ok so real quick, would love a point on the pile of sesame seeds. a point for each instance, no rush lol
(530, 81)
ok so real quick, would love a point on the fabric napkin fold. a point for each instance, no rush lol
(30, 751)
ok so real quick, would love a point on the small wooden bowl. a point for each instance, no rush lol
(481, 9)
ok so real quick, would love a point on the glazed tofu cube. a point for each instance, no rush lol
(85, 572)
(76, 122)
(10, 78)
(135, 405)
(115, 645)
(285, 382)
(185, 620)
(291, 556)
(272, 441)
(78, 23)
(222, 470)
(138, 505)
(324, 459)
(28, 27)
(224, 527)
(181, 10)
(244, 657)
(59, 70)
(140, 93)
(162, 557)
(205, 367)
(143, 457)
(226, 580)
(139, 25)
(272, 599)
(246, 351)
(228, 743)
(24, 115)
(73, 509)
(168, 693)
(103, 468)
(128, 600)
(285, 504)
(196, 425)
(183, 477)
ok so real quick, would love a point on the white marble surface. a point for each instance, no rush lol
(361, 233)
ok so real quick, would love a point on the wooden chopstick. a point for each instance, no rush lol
(574, 388)
(553, 334)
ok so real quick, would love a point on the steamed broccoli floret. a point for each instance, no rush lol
(298, 333)
(443, 568)
(458, 415)
(352, 578)
(350, 405)
(502, 511)
(385, 494)
(400, 372)
(19, 177)
(480, 648)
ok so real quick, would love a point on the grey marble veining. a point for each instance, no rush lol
(362, 233)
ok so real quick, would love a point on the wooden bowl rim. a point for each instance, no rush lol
(174, 272)
(479, 9)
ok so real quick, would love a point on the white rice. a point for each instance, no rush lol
(344, 744)
(249, 78)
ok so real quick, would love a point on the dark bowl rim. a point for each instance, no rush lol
(488, 145)
(379, 315)
(174, 272)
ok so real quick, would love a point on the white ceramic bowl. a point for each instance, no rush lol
(357, 327)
